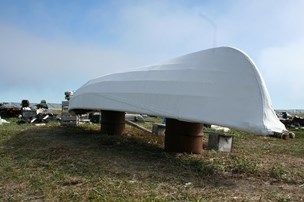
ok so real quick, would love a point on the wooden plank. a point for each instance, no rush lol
(138, 126)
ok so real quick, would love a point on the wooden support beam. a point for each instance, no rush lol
(112, 122)
(138, 126)
(183, 136)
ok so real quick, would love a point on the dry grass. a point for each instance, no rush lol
(55, 163)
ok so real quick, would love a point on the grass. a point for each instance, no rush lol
(54, 163)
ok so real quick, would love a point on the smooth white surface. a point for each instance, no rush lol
(219, 86)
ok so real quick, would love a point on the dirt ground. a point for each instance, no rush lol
(54, 163)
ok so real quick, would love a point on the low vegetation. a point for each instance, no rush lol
(55, 163)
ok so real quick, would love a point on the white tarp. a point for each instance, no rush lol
(219, 86)
(3, 121)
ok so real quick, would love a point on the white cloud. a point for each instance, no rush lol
(164, 29)
(33, 64)
(283, 70)
(23, 52)
(254, 25)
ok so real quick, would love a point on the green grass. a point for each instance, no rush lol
(54, 163)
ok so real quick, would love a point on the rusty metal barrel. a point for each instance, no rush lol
(112, 122)
(181, 136)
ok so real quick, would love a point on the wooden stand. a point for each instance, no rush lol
(183, 136)
(112, 122)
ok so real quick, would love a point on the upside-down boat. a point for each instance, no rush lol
(219, 86)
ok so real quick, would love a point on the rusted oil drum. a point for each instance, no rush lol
(183, 136)
(112, 122)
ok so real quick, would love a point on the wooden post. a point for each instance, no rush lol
(183, 136)
(112, 122)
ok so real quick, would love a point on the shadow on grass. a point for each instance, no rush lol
(79, 152)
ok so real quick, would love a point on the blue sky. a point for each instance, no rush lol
(49, 47)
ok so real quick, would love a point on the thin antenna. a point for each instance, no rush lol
(213, 26)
